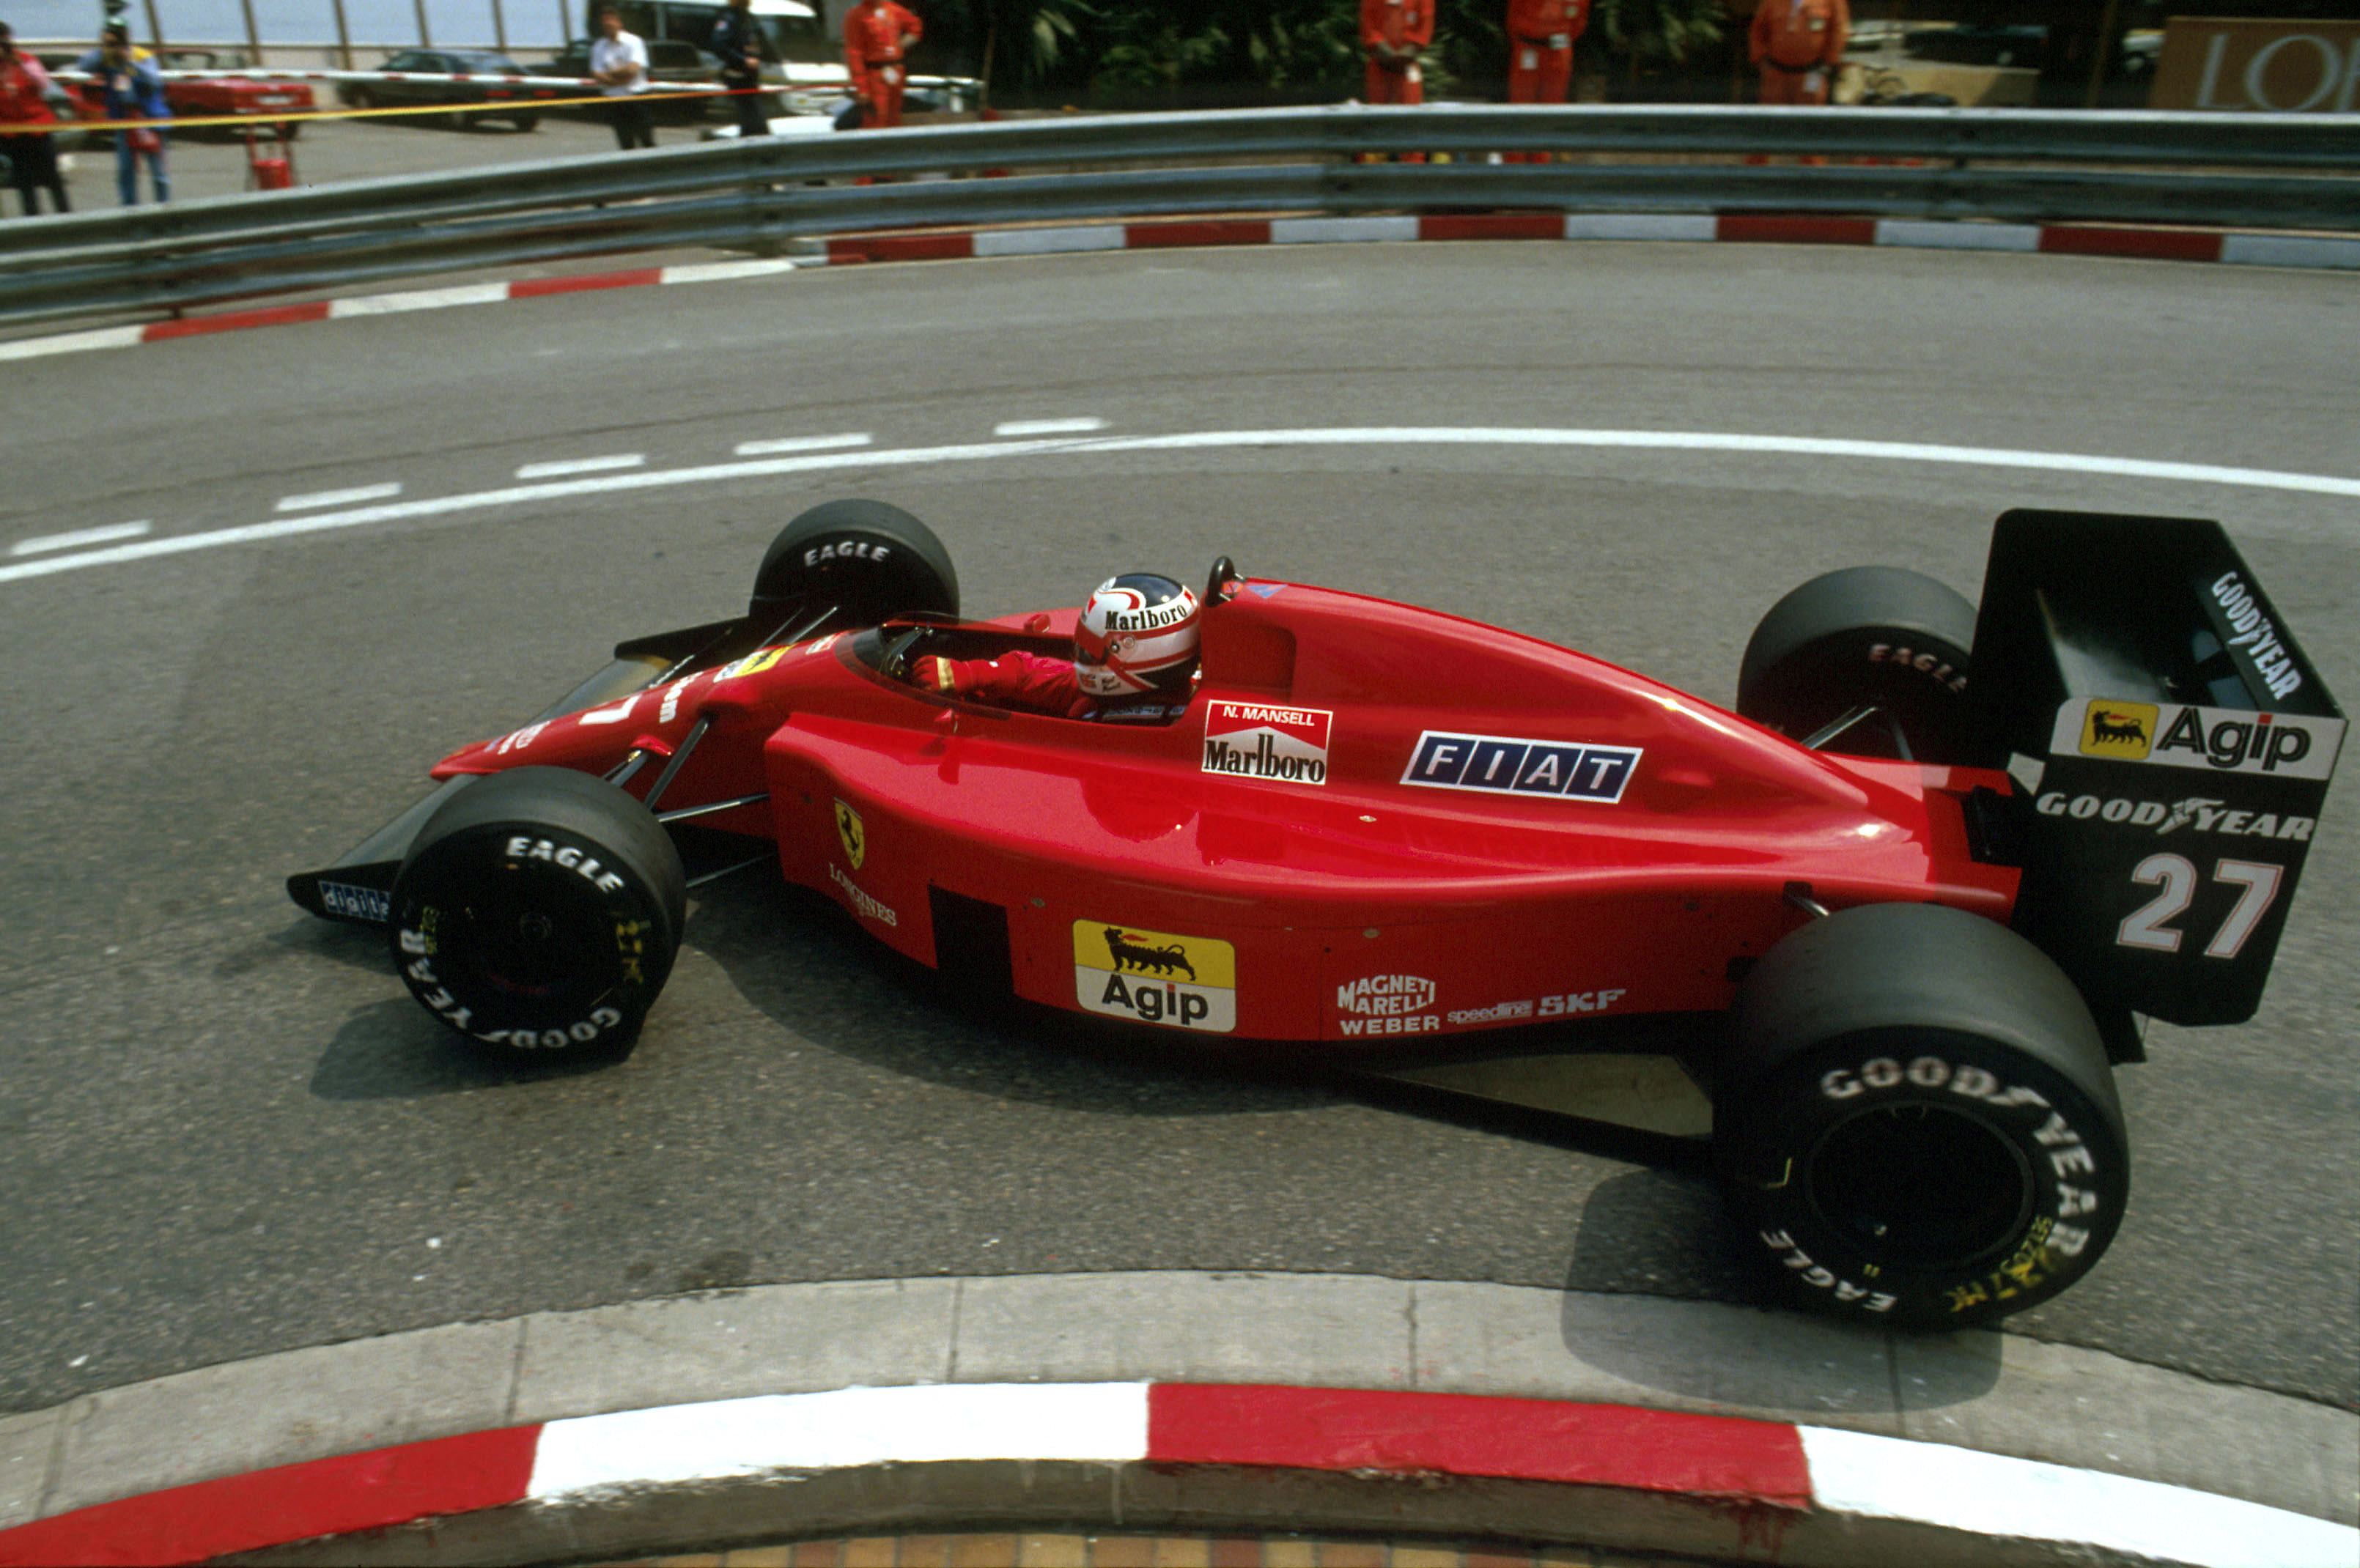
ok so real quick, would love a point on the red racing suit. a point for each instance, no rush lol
(1014, 680)
(874, 35)
(1392, 32)
(1799, 44)
(1540, 48)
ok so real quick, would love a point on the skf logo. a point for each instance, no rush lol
(2122, 731)
(850, 834)
(1155, 977)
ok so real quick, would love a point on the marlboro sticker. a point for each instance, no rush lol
(1256, 740)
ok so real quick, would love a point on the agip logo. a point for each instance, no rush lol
(2182, 735)
(1155, 977)
(2122, 731)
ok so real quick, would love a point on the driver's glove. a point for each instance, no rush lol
(941, 675)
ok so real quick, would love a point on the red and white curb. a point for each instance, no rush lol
(1795, 1471)
(2051, 239)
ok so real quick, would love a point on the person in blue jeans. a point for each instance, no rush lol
(133, 90)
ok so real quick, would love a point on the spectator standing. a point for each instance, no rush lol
(1394, 33)
(133, 90)
(25, 101)
(1540, 54)
(619, 62)
(738, 42)
(877, 34)
(1798, 44)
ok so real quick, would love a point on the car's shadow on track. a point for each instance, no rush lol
(391, 1049)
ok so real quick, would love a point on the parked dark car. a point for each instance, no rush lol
(1981, 45)
(670, 61)
(472, 77)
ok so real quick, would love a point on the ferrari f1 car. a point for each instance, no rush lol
(1902, 921)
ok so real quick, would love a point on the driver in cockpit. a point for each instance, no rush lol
(1134, 659)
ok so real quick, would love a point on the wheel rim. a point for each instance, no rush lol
(530, 943)
(1920, 1186)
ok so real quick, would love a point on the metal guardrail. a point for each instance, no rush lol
(2239, 171)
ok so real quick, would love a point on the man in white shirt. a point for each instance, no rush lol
(619, 61)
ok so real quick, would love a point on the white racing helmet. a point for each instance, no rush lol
(1137, 634)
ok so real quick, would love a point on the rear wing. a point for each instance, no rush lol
(2173, 744)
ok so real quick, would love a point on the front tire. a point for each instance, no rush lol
(866, 561)
(1916, 1119)
(1867, 635)
(538, 914)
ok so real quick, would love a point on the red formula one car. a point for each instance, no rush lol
(1900, 924)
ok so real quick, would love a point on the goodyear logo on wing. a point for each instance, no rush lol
(1571, 771)
(1155, 977)
(2122, 731)
(2181, 735)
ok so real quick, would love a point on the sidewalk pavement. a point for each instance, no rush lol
(1184, 1402)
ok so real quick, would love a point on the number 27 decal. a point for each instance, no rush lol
(2148, 926)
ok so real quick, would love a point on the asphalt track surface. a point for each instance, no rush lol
(225, 1129)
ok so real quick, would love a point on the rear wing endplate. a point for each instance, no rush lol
(2174, 744)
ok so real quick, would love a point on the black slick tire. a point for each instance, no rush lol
(1916, 1120)
(868, 561)
(538, 914)
(1880, 635)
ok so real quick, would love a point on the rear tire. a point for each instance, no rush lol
(870, 561)
(538, 914)
(525, 122)
(1916, 1119)
(1878, 635)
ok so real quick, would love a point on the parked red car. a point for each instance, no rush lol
(1900, 923)
(218, 89)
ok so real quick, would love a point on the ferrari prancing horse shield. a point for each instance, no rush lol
(848, 830)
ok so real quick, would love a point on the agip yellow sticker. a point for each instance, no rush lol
(1155, 977)
(2124, 731)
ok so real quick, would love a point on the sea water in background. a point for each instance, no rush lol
(529, 24)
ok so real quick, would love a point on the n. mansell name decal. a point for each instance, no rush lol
(1258, 740)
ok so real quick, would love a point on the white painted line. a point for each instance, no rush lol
(2290, 250)
(1388, 437)
(352, 497)
(929, 1423)
(418, 300)
(1915, 235)
(1331, 231)
(1641, 225)
(582, 465)
(1993, 1495)
(800, 443)
(1049, 242)
(73, 342)
(79, 538)
(722, 271)
(1048, 427)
